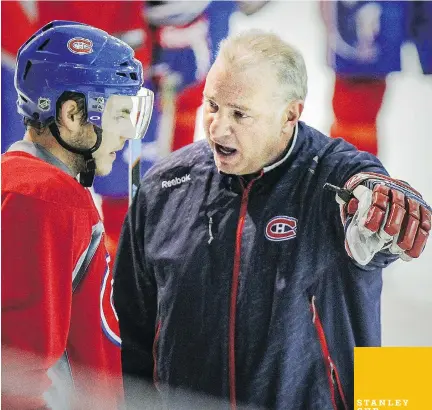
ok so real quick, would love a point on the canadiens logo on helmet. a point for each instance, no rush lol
(44, 103)
(281, 228)
(80, 45)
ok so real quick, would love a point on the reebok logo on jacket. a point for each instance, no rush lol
(176, 181)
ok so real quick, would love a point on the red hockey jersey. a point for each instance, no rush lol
(60, 343)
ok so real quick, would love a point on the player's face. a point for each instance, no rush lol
(116, 129)
(243, 119)
(106, 153)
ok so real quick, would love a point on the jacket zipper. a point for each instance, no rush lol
(234, 291)
(335, 385)
(155, 345)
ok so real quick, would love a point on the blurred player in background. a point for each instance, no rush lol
(364, 42)
(187, 35)
(19, 22)
(80, 94)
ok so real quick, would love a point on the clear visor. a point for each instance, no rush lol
(124, 115)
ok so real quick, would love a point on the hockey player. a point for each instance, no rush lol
(80, 93)
(127, 21)
(364, 42)
(232, 278)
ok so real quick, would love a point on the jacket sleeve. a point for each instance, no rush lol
(135, 301)
(36, 296)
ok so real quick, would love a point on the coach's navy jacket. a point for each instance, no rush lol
(242, 289)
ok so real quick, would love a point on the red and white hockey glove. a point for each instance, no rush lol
(382, 213)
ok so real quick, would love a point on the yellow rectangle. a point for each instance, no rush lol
(393, 378)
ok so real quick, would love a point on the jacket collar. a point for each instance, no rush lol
(40, 152)
(286, 156)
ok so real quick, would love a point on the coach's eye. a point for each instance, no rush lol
(213, 106)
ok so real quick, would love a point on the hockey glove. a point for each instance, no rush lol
(382, 213)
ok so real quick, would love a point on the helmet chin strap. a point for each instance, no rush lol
(88, 174)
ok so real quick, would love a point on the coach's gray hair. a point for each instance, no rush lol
(253, 47)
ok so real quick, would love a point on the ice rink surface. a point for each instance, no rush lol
(405, 148)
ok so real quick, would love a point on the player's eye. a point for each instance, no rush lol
(123, 115)
(240, 115)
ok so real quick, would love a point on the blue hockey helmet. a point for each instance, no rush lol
(70, 56)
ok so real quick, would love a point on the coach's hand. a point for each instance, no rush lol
(383, 213)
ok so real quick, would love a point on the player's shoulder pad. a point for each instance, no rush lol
(36, 178)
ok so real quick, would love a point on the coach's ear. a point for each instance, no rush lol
(69, 117)
(292, 114)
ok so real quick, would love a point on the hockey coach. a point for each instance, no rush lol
(245, 280)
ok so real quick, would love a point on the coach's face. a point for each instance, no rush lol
(247, 124)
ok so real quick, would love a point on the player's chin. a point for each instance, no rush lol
(103, 169)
